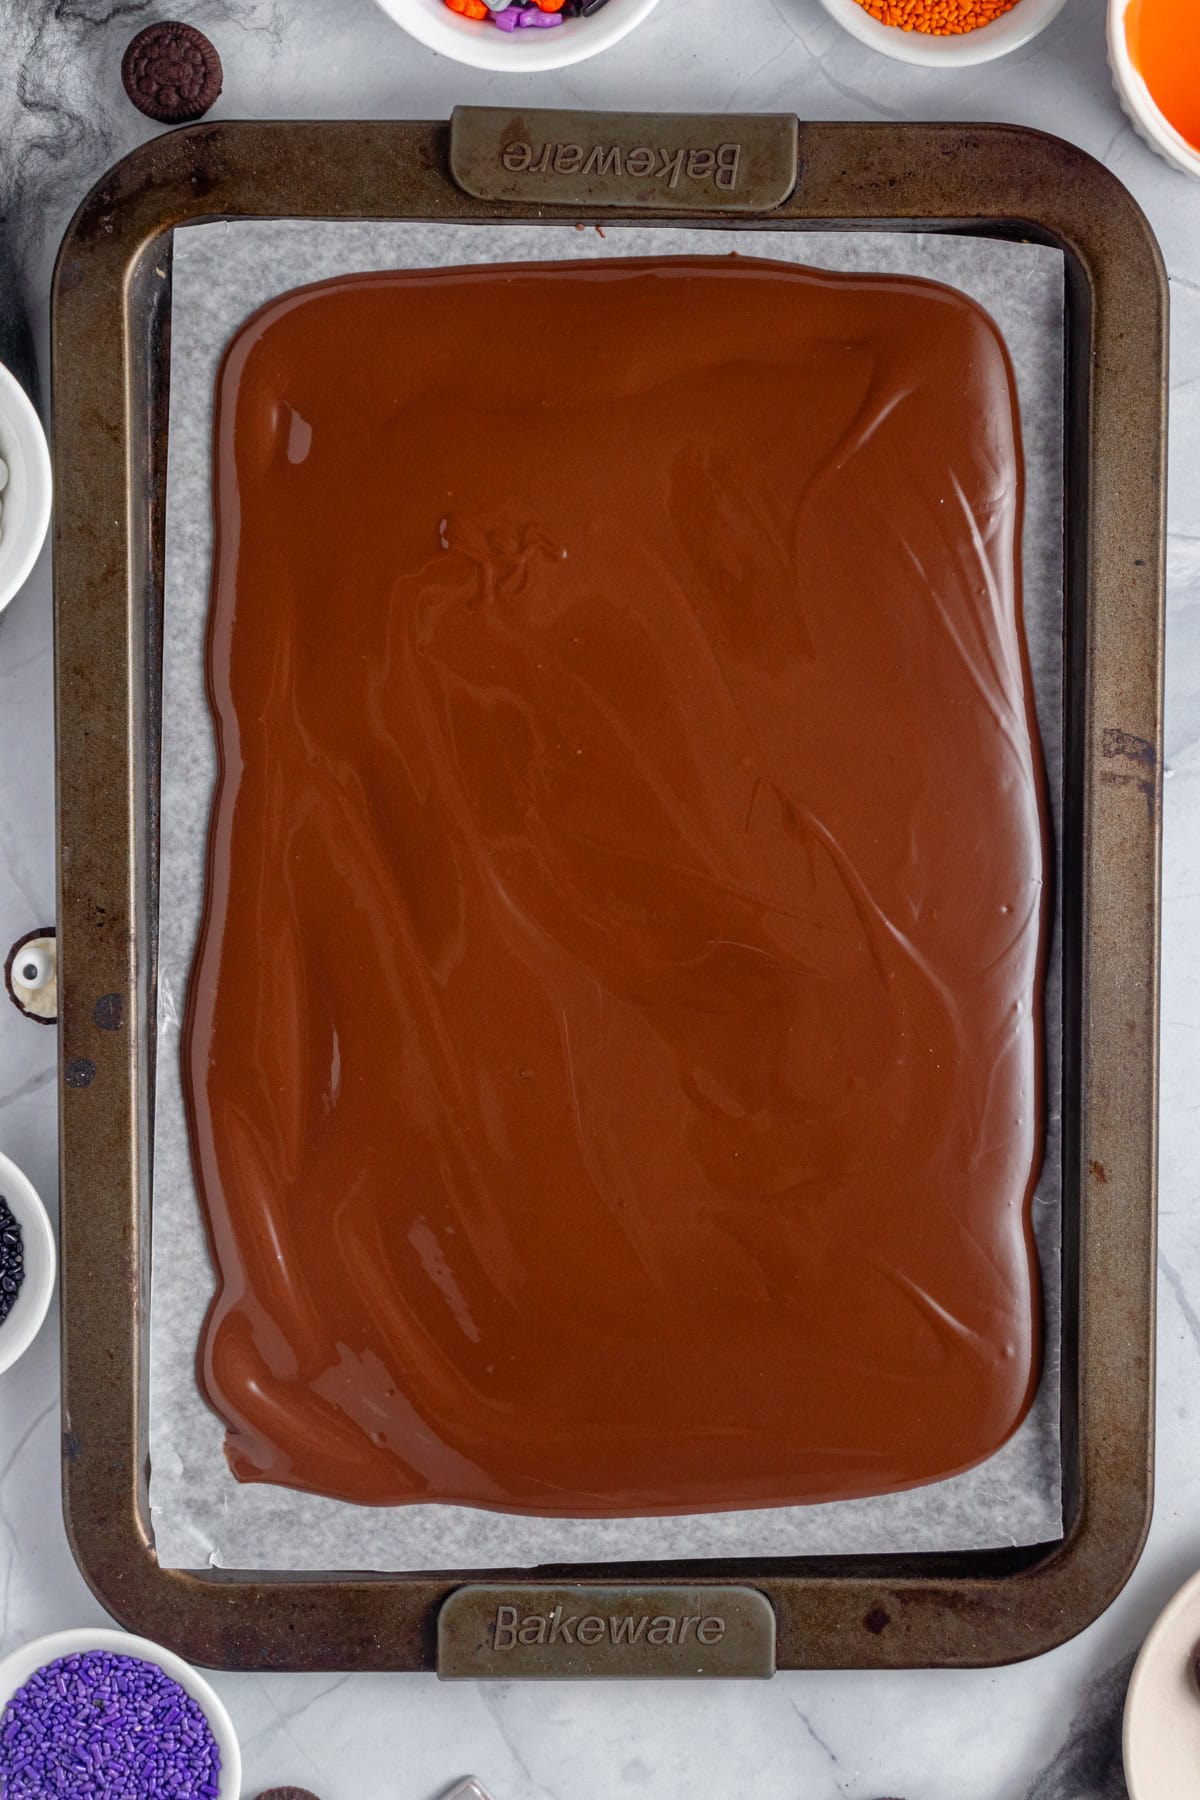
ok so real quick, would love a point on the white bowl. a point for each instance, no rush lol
(33, 1301)
(16, 1669)
(1161, 1735)
(483, 46)
(25, 501)
(1008, 32)
(1139, 103)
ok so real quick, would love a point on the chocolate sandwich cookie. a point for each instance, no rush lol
(287, 1793)
(171, 72)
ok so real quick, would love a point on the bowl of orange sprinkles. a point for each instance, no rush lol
(944, 33)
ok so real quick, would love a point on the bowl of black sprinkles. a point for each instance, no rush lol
(28, 1263)
(98, 1714)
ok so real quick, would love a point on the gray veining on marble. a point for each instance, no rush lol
(1042, 1731)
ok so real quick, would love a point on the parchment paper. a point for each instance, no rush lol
(201, 1515)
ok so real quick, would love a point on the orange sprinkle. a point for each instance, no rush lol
(937, 18)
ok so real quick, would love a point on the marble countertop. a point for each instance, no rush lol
(1049, 1730)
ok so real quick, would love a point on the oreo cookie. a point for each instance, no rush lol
(171, 72)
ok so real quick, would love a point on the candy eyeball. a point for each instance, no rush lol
(34, 967)
(31, 975)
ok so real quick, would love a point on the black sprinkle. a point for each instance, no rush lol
(80, 1072)
(591, 6)
(12, 1259)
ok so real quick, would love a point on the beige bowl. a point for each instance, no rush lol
(1160, 1737)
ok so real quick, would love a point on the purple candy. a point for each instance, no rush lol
(516, 18)
(104, 1727)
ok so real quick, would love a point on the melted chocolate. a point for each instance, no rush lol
(614, 1042)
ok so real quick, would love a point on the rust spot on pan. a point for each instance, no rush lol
(109, 1012)
(1116, 742)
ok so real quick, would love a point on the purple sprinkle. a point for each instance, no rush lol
(536, 18)
(103, 1727)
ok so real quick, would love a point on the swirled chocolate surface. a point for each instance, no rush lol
(613, 1048)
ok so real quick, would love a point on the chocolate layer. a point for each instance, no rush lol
(613, 1050)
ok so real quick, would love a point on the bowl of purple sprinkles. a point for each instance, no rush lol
(100, 1715)
(28, 1265)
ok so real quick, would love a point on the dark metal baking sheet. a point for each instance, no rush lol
(111, 370)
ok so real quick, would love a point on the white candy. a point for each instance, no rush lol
(33, 968)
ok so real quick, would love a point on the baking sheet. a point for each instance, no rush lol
(200, 1514)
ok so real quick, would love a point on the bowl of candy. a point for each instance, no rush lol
(28, 1264)
(1154, 54)
(24, 486)
(96, 1712)
(944, 34)
(518, 36)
